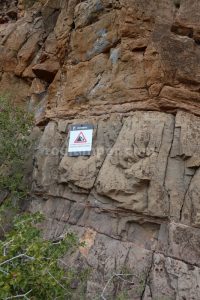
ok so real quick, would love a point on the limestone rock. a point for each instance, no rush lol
(20, 88)
(27, 52)
(173, 279)
(139, 187)
(181, 242)
(46, 158)
(147, 52)
(123, 264)
(8, 11)
(37, 86)
(130, 68)
(137, 167)
(83, 171)
(46, 71)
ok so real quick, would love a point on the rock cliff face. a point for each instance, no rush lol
(130, 68)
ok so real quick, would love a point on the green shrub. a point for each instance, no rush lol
(29, 265)
(15, 125)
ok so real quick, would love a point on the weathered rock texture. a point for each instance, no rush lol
(135, 201)
(99, 57)
(130, 68)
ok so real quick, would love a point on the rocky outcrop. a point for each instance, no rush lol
(8, 11)
(130, 68)
(135, 201)
(102, 57)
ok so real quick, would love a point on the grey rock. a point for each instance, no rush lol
(137, 165)
(172, 279)
(134, 201)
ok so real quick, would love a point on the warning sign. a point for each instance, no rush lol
(80, 140)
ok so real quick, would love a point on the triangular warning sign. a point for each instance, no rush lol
(80, 139)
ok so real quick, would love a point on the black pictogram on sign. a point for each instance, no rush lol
(80, 138)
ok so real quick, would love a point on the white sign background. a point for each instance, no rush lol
(78, 147)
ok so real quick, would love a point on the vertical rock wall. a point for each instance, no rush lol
(130, 68)
(135, 201)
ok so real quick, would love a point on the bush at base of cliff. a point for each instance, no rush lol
(29, 266)
(15, 125)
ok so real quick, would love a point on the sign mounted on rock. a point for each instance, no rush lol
(80, 140)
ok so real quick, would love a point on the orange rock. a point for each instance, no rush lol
(47, 70)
